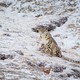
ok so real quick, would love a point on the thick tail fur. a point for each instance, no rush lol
(70, 60)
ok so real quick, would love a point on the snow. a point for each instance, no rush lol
(21, 38)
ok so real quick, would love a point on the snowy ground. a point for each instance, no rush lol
(18, 39)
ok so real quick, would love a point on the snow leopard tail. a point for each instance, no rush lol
(70, 60)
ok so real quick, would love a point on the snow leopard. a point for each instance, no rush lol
(48, 45)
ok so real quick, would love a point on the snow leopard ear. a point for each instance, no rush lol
(51, 27)
(35, 30)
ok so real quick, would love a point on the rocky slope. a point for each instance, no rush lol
(19, 55)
